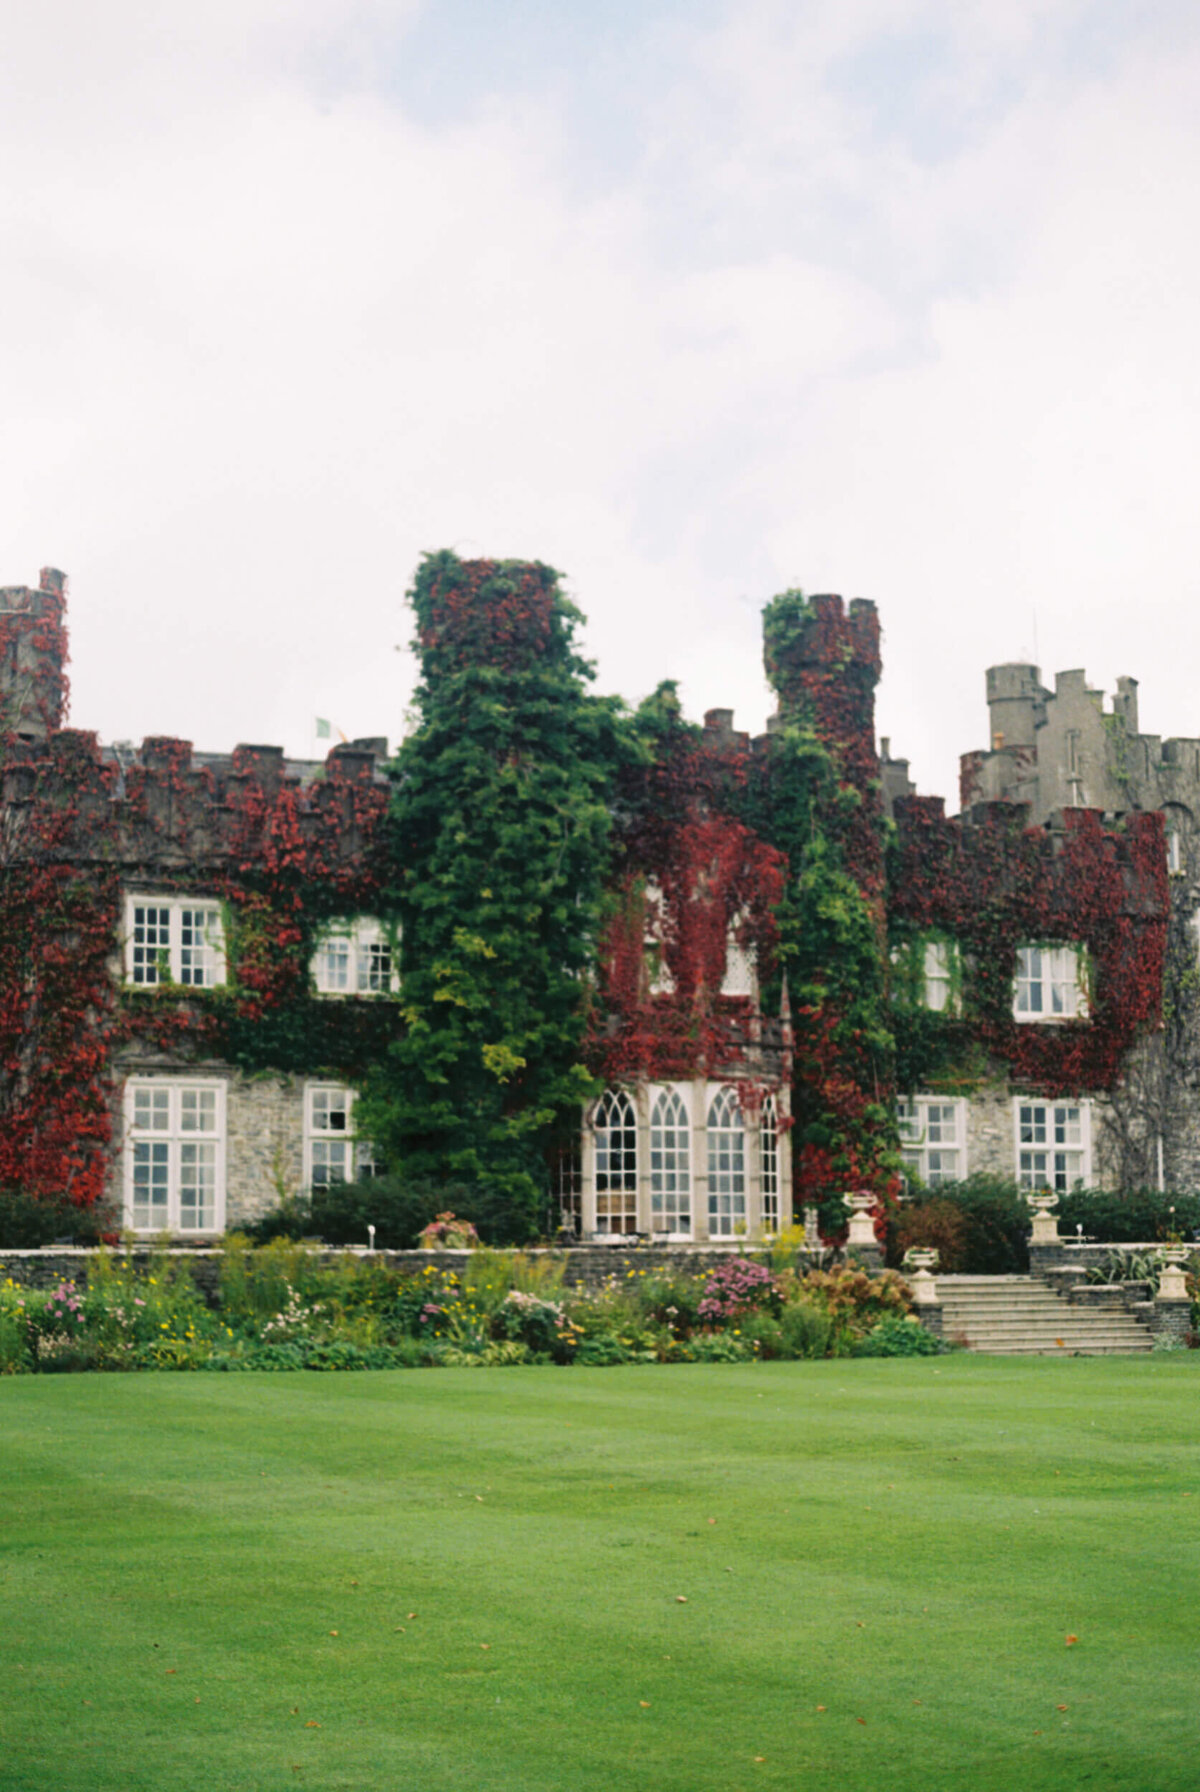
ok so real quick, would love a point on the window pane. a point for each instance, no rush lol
(334, 962)
(770, 1165)
(198, 1110)
(197, 1187)
(616, 1163)
(330, 1161)
(374, 968)
(330, 1110)
(199, 943)
(670, 1164)
(151, 1186)
(152, 1110)
(151, 945)
(726, 1166)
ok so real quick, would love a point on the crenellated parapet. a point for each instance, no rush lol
(162, 810)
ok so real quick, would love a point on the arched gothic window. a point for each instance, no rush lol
(615, 1127)
(770, 1165)
(670, 1165)
(726, 1166)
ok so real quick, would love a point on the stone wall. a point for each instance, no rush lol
(583, 1266)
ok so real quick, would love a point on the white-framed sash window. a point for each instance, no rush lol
(173, 939)
(1050, 984)
(769, 1159)
(933, 1137)
(355, 958)
(726, 1165)
(926, 973)
(670, 1163)
(1053, 1143)
(174, 1155)
(615, 1130)
(332, 1151)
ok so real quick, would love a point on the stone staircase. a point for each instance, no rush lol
(1023, 1316)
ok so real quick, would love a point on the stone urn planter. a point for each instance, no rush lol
(448, 1233)
(919, 1257)
(862, 1205)
(1045, 1224)
(1172, 1281)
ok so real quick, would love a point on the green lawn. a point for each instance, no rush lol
(209, 1581)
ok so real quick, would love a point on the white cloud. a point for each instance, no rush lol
(268, 337)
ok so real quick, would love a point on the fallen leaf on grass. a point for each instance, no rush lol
(1060, 1707)
(820, 1707)
(645, 1704)
(485, 1645)
(170, 1670)
(860, 1720)
(760, 1757)
(312, 1724)
(681, 1598)
(1071, 1639)
(411, 1616)
(295, 1710)
(333, 1633)
(713, 1521)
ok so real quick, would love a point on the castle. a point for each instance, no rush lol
(196, 970)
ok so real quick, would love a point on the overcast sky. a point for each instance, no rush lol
(693, 300)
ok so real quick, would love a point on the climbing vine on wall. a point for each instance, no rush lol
(817, 800)
(993, 885)
(499, 831)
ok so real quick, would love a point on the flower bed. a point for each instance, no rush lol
(281, 1307)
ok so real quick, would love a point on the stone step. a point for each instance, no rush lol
(1081, 1349)
(1023, 1316)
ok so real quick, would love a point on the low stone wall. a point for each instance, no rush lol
(583, 1265)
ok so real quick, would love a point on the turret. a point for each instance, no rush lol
(33, 656)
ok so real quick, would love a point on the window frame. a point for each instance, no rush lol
(360, 1152)
(176, 908)
(724, 1100)
(923, 963)
(175, 1136)
(677, 1203)
(919, 1146)
(770, 1189)
(1060, 1181)
(362, 934)
(1051, 981)
(621, 1198)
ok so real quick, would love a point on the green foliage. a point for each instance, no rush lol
(500, 824)
(398, 1209)
(817, 803)
(898, 1337)
(29, 1221)
(979, 1227)
(1142, 1216)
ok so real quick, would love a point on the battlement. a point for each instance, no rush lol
(162, 807)
(33, 656)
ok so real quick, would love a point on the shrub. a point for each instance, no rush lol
(765, 1335)
(734, 1288)
(898, 1337)
(1143, 1216)
(719, 1347)
(807, 1327)
(978, 1227)
(936, 1224)
(538, 1324)
(28, 1221)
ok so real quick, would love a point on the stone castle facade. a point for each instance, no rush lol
(194, 970)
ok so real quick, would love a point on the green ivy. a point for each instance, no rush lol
(500, 841)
